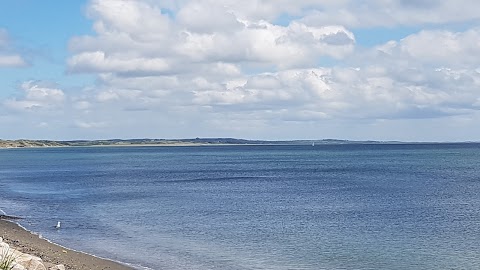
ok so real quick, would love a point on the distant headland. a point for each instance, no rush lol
(24, 143)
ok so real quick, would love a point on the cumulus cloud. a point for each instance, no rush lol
(11, 61)
(196, 17)
(230, 66)
(36, 96)
(99, 62)
(149, 42)
(8, 57)
(350, 13)
(444, 47)
(366, 93)
(202, 56)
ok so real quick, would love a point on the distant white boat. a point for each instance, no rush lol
(313, 143)
(58, 225)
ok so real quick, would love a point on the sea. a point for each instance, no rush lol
(254, 207)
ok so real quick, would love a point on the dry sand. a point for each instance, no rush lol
(29, 243)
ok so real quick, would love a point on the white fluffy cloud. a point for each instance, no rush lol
(149, 42)
(350, 13)
(366, 93)
(260, 67)
(8, 57)
(36, 97)
(444, 48)
(231, 56)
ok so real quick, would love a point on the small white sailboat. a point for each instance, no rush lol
(313, 143)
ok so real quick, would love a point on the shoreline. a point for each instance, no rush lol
(147, 145)
(27, 242)
(201, 144)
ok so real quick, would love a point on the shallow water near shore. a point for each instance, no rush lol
(254, 207)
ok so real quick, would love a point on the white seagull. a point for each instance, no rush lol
(58, 225)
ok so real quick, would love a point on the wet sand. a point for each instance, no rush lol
(29, 243)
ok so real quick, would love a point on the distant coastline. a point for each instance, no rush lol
(25, 143)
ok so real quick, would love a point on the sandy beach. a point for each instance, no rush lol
(26, 242)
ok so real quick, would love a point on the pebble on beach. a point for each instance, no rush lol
(23, 261)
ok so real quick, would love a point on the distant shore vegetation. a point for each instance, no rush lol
(146, 142)
(24, 143)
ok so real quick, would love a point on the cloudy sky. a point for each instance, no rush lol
(257, 69)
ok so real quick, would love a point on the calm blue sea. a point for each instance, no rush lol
(254, 207)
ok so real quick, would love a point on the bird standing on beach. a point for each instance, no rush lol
(58, 225)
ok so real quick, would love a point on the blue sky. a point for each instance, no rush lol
(40, 31)
(271, 69)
